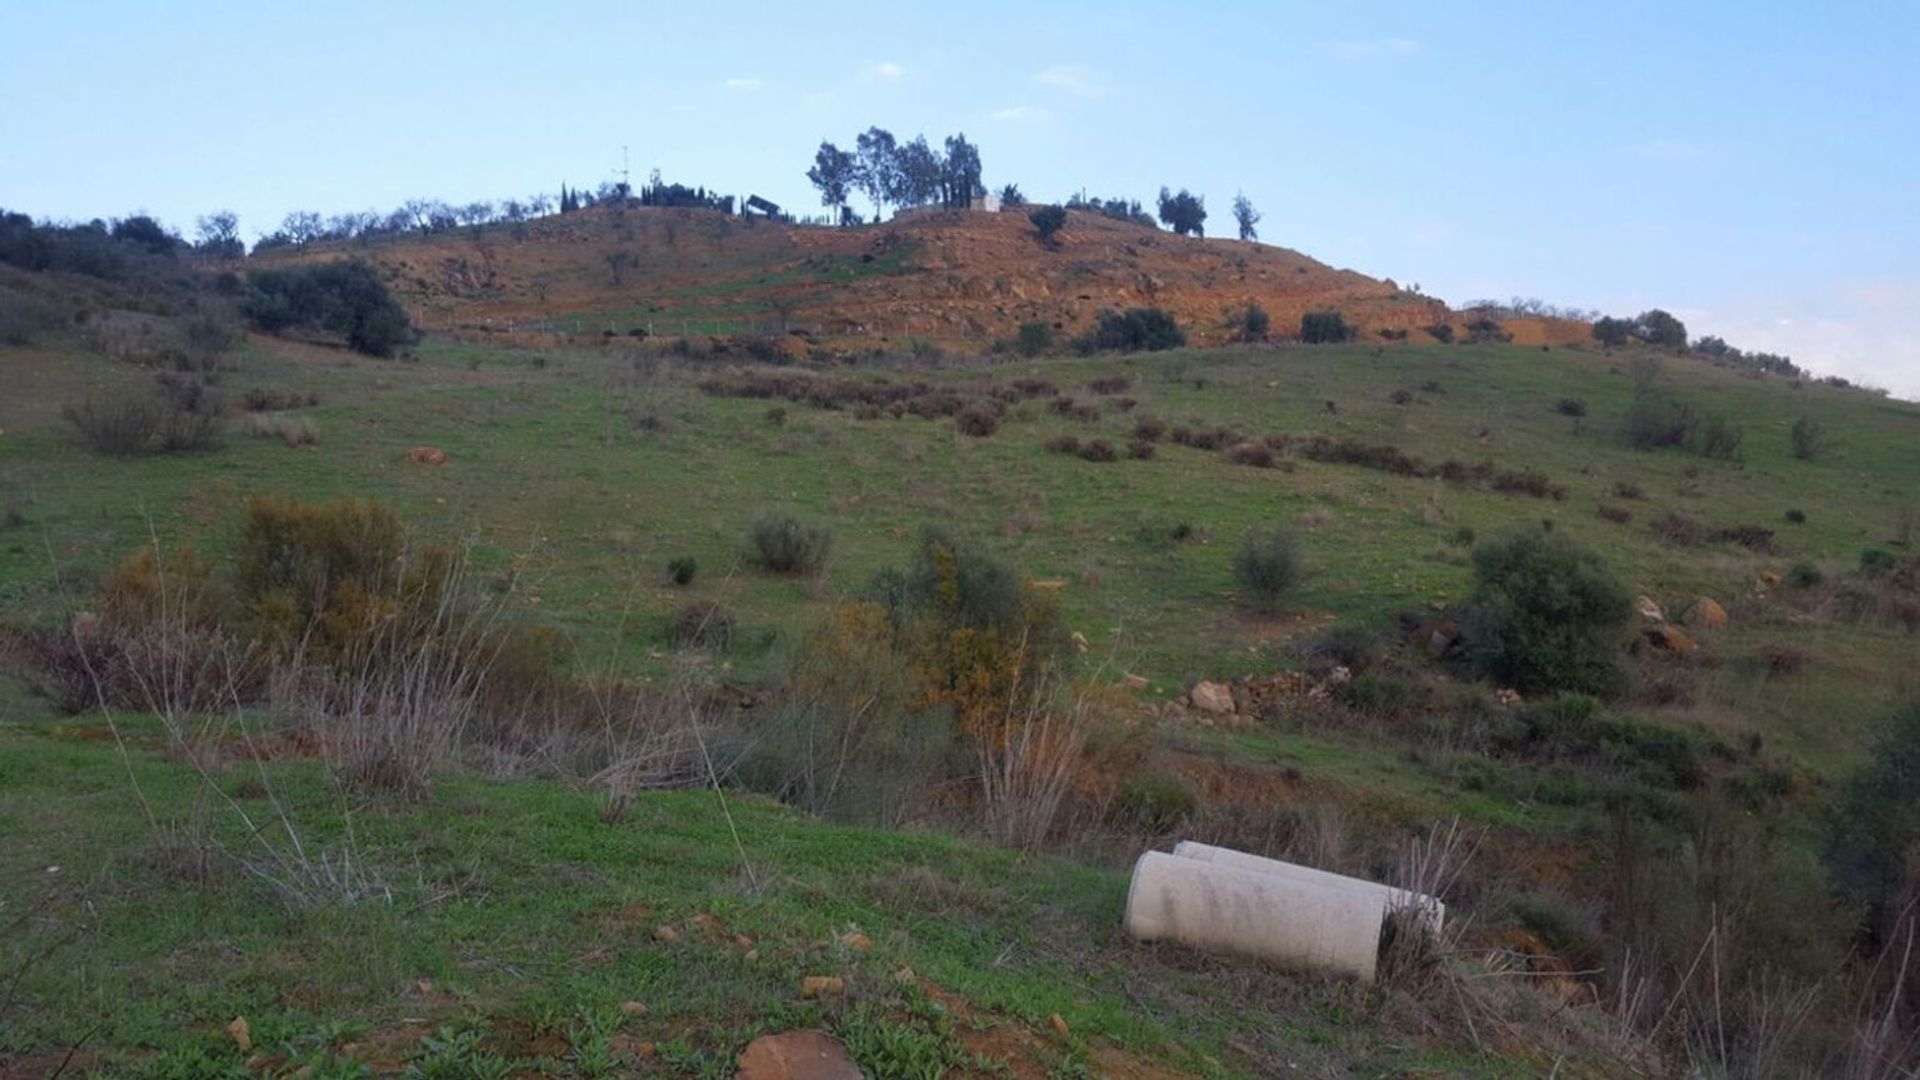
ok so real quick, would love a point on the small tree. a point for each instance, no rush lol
(1657, 327)
(1246, 217)
(1010, 197)
(1809, 438)
(1035, 338)
(1612, 332)
(1546, 616)
(1184, 213)
(1047, 221)
(1253, 323)
(219, 235)
(1266, 568)
(1873, 841)
(1324, 328)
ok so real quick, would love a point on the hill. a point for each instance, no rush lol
(620, 869)
(958, 281)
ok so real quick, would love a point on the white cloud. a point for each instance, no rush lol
(886, 69)
(1862, 330)
(1073, 79)
(1371, 48)
(1020, 114)
(744, 85)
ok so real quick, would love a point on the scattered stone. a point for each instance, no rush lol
(1770, 578)
(1059, 1024)
(666, 933)
(633, 1008)
(819, 986)
(1508, 697)
(1705, 614)
(1134, 682)
(797, 1055)
(857, 941)
(242, 1033)
(743, 942)
(1212, 697)
(1080, 641)
(427, 455)
(905, 975)
(1669, 638)
(1649, 610)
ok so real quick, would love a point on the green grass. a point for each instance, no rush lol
(497, 936)
(576, 483)
(551, 476)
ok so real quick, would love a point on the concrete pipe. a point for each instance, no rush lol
(1389, 897)
(1263, 916)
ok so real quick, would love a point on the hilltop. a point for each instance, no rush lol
(957, 280)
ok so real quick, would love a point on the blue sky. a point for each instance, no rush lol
(1754, 167)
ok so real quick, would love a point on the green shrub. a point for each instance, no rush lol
(1808, 439)
(1325, 328)
(1796, 517)
(1158, 803)
(1804, 575)
(681, 569)
(1873, 838)
(1134, 330)
(779, 543)
(1253, 323)
(1569, 406)
(1875, 562)
(1047, 221)
(1545, 616)
(1034, 338)
(346, 300)
(1355, 646)
(976, 421)
(1267, 567)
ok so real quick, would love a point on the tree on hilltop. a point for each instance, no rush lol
(878, 173)
(834, 172)
(1185, 213)
(1246, 217)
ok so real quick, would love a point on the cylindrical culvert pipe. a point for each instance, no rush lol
(1224, 909)
(1389, 897)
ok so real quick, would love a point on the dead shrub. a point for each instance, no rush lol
(1148, 429)
(1064, 444)
(1619, 515)
(1140, 450)
(1100, 451)
(1256, 455)
(781, 544)
(1679, 530)
(293, 430)
(1110, 384)
(976, 422)
(702, 624)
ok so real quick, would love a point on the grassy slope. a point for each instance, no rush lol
(536, 933)
(551, 477)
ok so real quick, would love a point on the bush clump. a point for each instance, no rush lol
(681, 569)
(1133, 330)
(1267, 567)
(1324, 328)
(781, 544)
(1546, 616)
(976, 422)
(1570, 406)
(1100, 451)
(343, 300)
(1034, 338)
(702, 624)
